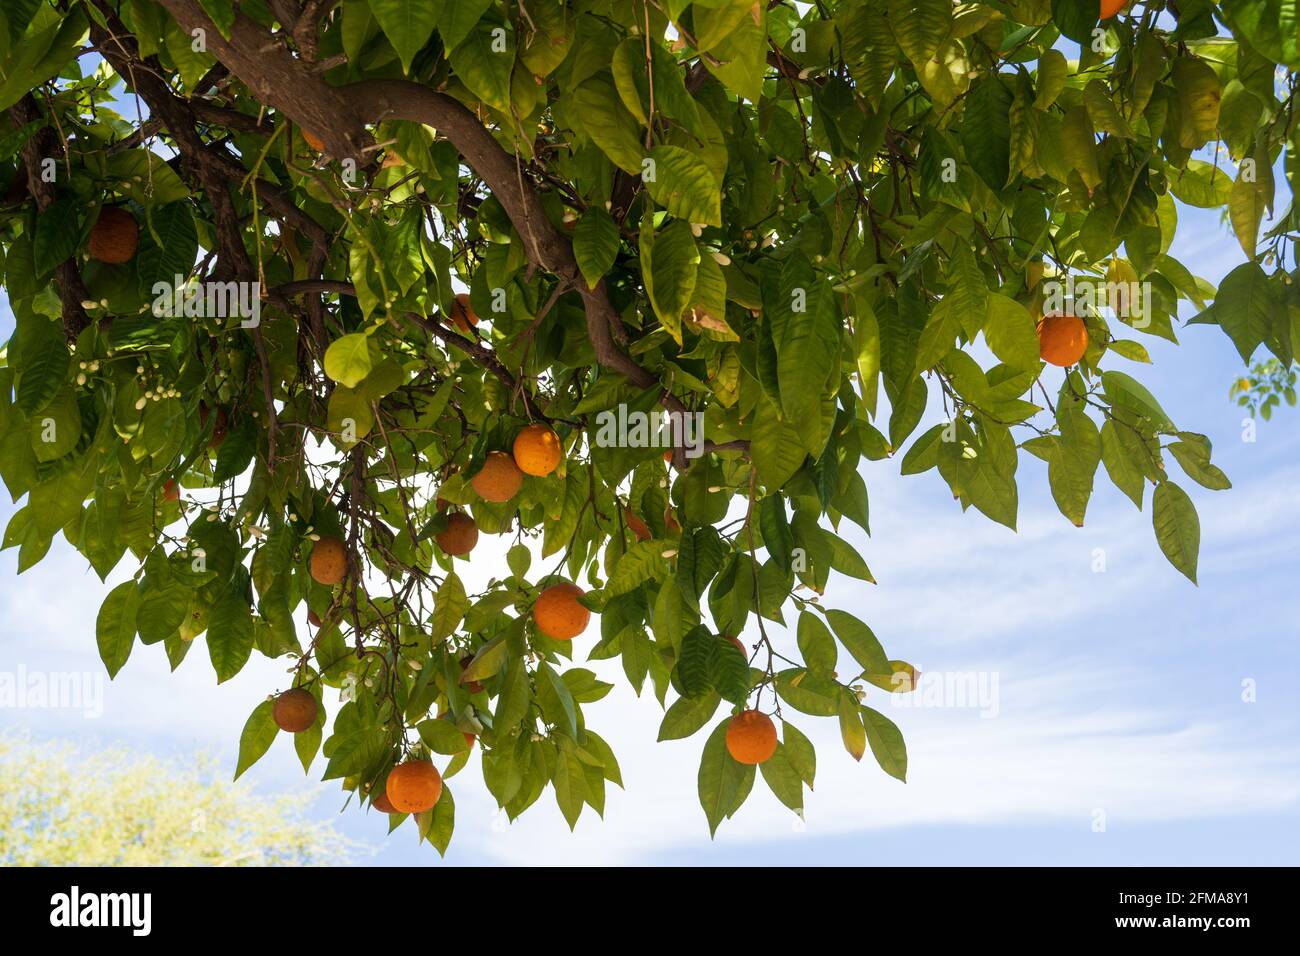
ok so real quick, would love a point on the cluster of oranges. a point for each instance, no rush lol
(537, 451)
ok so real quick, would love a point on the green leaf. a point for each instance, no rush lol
(1009, 331)
(256, 738)
(859, 641)
(562, 693)
(58, 232)
(919, 26)
(723, 783)
(483, 67)
(1123, 391)
(407, 24)
(1245, 306)
(775, 528)
(449, 607)
(886, 742)
(986, 131)
(798, 749)
(515, 697)
(684, 185)
(783, 779)
(457, 17)
(609, 124)
(815, 643)
(1178, 529)
(852, 731)
(687, 715)
(115, 626)
(488, 660)
(775, 447)
(349, 359)
(595, 244)
(442, 820)
(669, 261)
(442, 736)
(1127, 475)
(230, 636)
(1194, 457)
(41, 360)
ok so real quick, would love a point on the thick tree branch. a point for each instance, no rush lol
(67, 277)
(338, 115)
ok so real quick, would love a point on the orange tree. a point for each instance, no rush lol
(309, 295)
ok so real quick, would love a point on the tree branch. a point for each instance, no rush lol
(338, 115)
(67, 277)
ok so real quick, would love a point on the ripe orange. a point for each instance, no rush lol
(294, 710)
(636, 525)
(171, 490)
(115, 236)
(1062, 339)
(314, 141)
(463, 314)
(1111, 7)
(751, 737)
(499, 478)
(739, 644)
(473, 686)
(558, 614)
(329, 561)
(414, 786)
(383, 804)
(537, 450)
(460, 535)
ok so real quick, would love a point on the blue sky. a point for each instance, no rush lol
(1118, 733)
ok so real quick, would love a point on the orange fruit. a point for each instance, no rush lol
(739, 645)
(499, 478)
(1111, 7)
(473, 686)
(1062, 339)
(463, 314)
(294, 710)
(537, 450)
(383, 804)
(329, 561)
(636, 525)
(171, 490)
(314, 141)
(751, 737)
(414, 786)
(558, 614)
(460, 535)
(115, 236)
(668, 455)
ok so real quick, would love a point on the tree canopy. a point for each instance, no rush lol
(300, 288)
(61, 806)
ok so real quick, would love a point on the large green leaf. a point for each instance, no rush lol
(1178, 529)
(684, 185)
(408, 24)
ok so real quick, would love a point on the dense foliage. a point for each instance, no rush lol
(801, 225)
